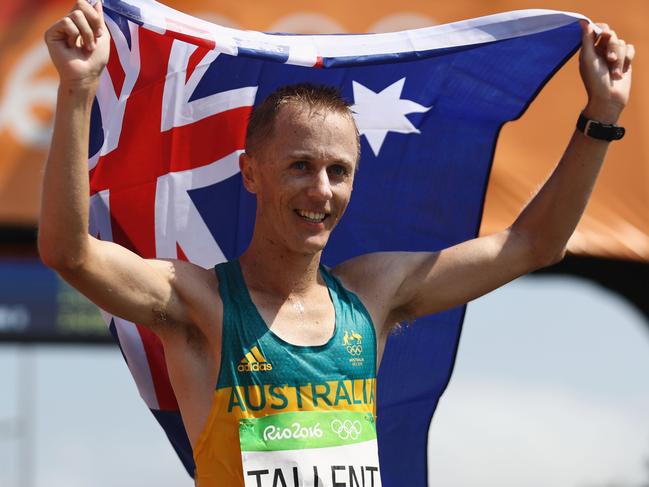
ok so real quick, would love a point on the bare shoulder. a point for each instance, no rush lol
(372, 278)
(198, 288)
(362, 272)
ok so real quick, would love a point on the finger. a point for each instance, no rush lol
(603, 34)
(99, 8)
(603, 40)
(587, 38)
(88, 36)
(68, 30)
(94, 17)
(611, 45)
(613, 50)
(61, 31)
(630, 54)
(617, 53)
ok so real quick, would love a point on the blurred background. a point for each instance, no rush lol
(551, 386)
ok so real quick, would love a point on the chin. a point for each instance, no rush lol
(312, 245)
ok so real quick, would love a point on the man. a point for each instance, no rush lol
(262, 390)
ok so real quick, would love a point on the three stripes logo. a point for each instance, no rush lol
(254, 361)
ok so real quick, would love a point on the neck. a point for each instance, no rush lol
(273, 269)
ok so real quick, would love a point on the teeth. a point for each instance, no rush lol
(310, 215)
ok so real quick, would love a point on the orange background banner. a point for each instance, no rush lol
(616, 223)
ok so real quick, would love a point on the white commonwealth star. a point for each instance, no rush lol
(377, 114)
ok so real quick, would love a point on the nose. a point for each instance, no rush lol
(320, 187)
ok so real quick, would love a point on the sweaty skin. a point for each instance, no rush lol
(302, 178)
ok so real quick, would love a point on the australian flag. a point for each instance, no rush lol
(168, 126)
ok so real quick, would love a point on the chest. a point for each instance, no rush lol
(283, 345)
(308, 321)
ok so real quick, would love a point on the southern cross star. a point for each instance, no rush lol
(377, 114)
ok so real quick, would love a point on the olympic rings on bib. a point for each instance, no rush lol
(355, 349)
(346, 429)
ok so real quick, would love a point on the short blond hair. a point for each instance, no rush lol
(310, 96)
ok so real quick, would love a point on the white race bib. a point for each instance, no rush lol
(310, 449)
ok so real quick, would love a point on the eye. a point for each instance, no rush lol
(338, 170)
(299, 165)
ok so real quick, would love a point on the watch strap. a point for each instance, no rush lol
(599, 130)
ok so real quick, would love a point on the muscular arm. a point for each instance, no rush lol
(417, 284)
(119, 281)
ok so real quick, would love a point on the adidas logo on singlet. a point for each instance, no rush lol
(254, 361)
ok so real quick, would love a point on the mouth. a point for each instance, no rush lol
(312, 216)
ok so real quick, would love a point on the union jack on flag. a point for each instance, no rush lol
(168, 125)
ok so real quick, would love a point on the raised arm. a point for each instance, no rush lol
(417, 284)
(117, 280)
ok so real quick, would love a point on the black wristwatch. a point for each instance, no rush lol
(599, 130)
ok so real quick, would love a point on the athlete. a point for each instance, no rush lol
(272, 355)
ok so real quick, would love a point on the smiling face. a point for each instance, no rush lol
(302, 176)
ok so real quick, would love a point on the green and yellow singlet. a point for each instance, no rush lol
(287, 415)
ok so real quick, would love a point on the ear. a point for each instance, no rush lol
(247, 167)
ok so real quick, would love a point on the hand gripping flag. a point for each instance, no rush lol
(168, 126)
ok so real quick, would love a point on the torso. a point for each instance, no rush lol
(194, 363)
(193, 355)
